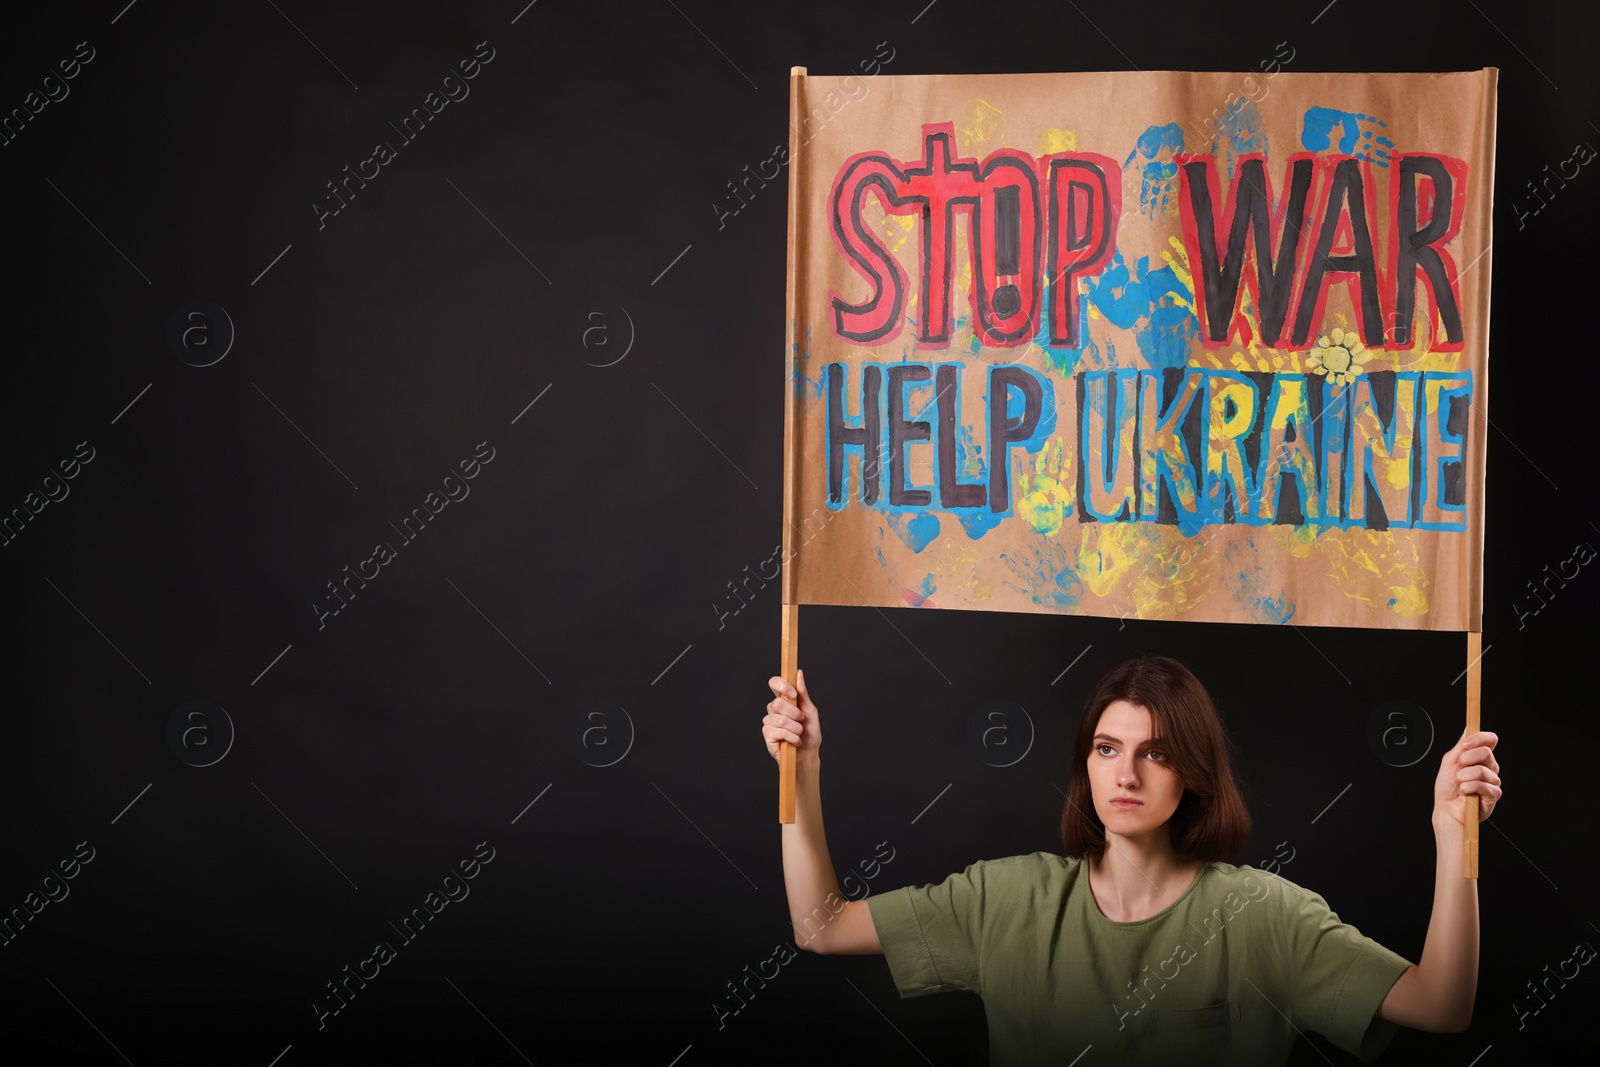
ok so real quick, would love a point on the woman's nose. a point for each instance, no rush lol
(1127, 773)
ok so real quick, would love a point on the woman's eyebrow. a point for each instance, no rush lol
(1118, 741)
(1147, 742)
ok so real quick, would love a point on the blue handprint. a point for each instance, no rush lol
(1154, 304)
(1158, 178)
(1358, 134)
(1238, 132)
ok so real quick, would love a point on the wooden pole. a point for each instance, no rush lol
(786, 751)
(793, 304)
(1469, 855)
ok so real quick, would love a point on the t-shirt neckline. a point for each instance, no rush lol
(1094, 905)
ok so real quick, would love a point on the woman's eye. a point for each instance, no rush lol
(1155, 755)
(1101, 747)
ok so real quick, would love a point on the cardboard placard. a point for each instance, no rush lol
(1165, 345)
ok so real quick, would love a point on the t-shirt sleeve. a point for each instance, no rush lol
(931, 934)
(1338, 976)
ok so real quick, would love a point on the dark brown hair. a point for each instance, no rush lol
(1211, 822)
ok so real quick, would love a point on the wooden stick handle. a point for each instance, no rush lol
(786, 751)
(1469, 855)
(793, 304)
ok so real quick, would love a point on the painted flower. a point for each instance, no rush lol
(1339, 356)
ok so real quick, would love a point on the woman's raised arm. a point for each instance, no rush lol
(824, 921)
(1437, 993)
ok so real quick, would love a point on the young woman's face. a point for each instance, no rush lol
(1125, 763)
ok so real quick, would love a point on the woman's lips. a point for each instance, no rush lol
(1120, 802)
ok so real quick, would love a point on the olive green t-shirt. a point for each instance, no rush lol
(1226, 974)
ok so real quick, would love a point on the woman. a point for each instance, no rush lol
(1141, 941)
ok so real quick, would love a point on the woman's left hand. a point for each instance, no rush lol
(1469, 767)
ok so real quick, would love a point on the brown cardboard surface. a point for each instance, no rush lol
(1331, 564)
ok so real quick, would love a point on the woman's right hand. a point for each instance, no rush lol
(786, 720)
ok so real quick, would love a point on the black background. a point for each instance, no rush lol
(376, 752)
